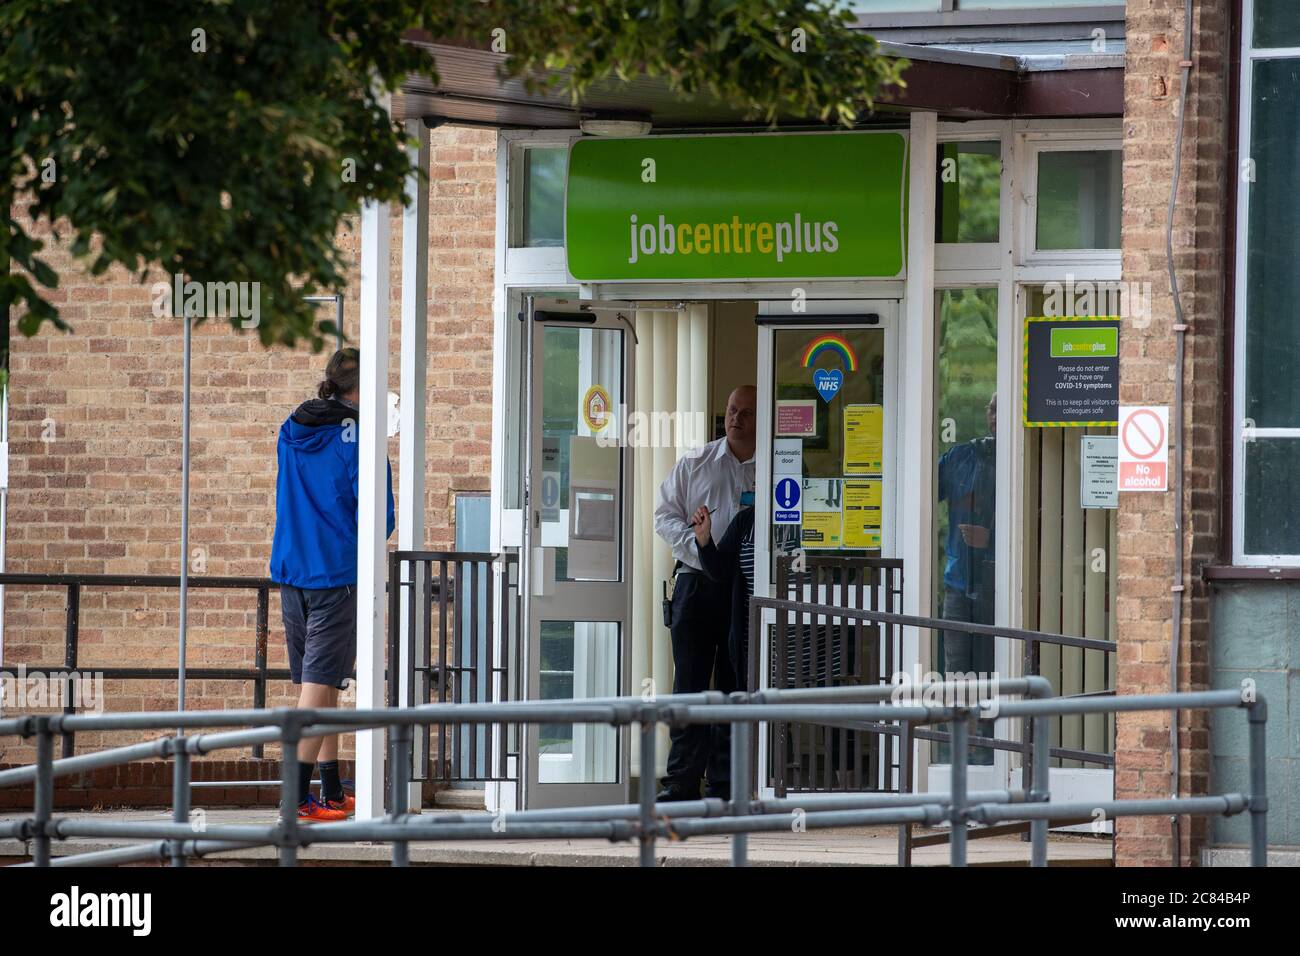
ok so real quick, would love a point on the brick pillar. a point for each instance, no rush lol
(1154, 30)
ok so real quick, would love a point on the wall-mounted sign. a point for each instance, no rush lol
(823, 513)
(864, 429)
(1099, 471)
(778, 206)
(1143, 448)
(1071, 373)
(595, 408)
(550, 490)
(828, 382)
(787, 457)
(796, 418)
(786, 495)
(862, 511)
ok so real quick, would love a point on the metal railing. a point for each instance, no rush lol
(74, 584)
(855, 641)
(436, 675)
(643, 821)
(826, 649)
(462, 611)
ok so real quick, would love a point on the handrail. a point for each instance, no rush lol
(134, 580)
(643, 821)
(934, 623)
(1030, 637)
(260, 673)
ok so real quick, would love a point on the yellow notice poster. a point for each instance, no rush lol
(862, 508)
(823, 517)
(821, 529)
(864, 439)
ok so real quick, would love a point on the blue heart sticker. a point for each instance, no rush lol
(828, 383)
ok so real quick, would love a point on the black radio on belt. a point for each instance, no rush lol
(668, 606)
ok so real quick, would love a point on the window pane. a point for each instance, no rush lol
(1079, 199)
(1272, 523)
(581, 481)
(544, 171)
(966, 381)
(892, 6)
(1039, 4)
(1272, 279)
(970, 183)
(578, 659)
(840, 434)
(1277, 23)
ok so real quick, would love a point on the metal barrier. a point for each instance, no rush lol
(825, 649)
(74, 584)
(643, 821)
(833, 634)
(468, 603)
(434, 676)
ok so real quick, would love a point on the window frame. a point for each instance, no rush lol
(974, 255)
(949, 14)
(1034, 147)
(521, 258)
(1241, 433)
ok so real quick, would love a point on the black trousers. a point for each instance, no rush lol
(701, 661)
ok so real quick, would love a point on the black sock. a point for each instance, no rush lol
(331, 788)
(304, 780)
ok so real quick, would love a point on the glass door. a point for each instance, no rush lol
(578, 531)
(826, 529)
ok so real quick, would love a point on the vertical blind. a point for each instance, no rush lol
(672, 356)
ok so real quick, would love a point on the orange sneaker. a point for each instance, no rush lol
(313, 811)
(348, 804)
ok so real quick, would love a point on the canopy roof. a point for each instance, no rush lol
(962, 81)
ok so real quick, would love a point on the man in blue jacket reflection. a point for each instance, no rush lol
(968, 482)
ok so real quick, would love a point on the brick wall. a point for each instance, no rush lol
(1154, 31)
(95, 451)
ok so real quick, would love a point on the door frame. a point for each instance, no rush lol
(893, 499)
(576, 601)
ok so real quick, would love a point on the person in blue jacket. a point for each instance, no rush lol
(314, 560)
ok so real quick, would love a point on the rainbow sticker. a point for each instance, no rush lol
(830, 343)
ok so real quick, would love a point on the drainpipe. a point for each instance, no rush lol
(1180, 335)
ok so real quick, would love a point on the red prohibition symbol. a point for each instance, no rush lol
(1143, 434)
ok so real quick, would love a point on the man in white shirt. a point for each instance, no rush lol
(714, 476)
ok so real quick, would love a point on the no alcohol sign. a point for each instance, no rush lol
(1143, 448)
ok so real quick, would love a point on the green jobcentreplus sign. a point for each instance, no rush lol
(778, 206)
(1087, 342)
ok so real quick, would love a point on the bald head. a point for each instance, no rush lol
(742, 406)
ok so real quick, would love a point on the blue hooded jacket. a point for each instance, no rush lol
(315, 544)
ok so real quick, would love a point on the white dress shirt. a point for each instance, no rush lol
(711, 476)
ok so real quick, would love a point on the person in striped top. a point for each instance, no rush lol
(730, 563)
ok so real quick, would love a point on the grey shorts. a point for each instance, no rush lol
(320, 628)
